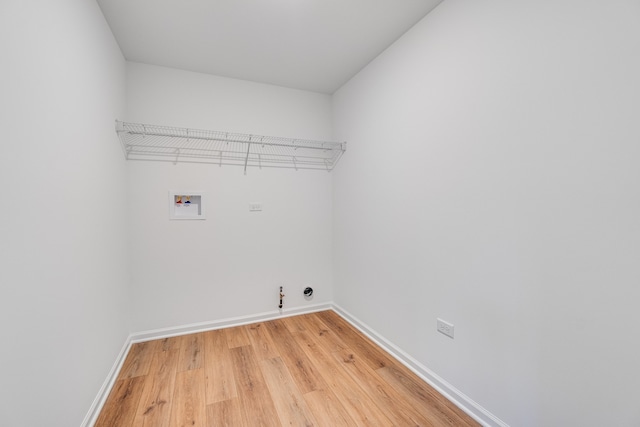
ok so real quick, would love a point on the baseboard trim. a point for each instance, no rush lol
(94, 411)
(458, 398)
(225, 323)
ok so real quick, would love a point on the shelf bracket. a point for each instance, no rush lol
(246, 160)
(177, 152)
(295, 165)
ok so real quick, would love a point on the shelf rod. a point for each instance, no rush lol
(220, 139)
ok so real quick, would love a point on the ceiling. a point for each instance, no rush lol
(315, 45)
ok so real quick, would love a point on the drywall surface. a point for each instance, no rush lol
(62, 225)
(492, 181)
(233, 262)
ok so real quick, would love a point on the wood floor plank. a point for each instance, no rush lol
(293, 323)
(261, 341)
(188, 407)
(227, 413)
(371, 353)
(327, 409)
(120, 407)
(328, 339)
(237, 337)
(219, 378)
(383, 394)
(303, 371)
(154, 407)
(256, 401)
(289, 402)
(358, 405)
(138, 360)
(170, 343)
(191, 354)
(439, 410)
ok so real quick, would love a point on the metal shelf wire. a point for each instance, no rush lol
(173, 144)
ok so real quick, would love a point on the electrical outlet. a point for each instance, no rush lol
(445, 328)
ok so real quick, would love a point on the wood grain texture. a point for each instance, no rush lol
(237, 337)
(289, 402)
(167, 344)
(219, 378)
(154, 407)
(439, 410)
(188, 407)
(399, 411)
(256, 401)
(227, 413)
(314, 369)
(302, 370)
(362, 410)
(326, 338)
(121, 405)
(293, 324)
(370, 353)
(261, 341)
(328, 409)
(138, 360)
(191, 354)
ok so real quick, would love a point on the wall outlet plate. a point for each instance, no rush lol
(445, 328)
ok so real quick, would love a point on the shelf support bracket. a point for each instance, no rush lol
(175, 162)
(246, 160)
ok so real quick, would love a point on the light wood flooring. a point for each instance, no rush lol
(308, 370)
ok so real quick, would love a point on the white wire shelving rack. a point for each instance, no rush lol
(174, 144)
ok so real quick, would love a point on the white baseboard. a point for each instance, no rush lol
(458, 398)
(92, 416)
(225, 323)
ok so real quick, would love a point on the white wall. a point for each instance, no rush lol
(492, 180)
(232, 263)
(63, 277)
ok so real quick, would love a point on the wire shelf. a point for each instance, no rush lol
(173, 144)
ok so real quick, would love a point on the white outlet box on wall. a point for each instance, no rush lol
(445, 328)
(186, 205)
